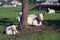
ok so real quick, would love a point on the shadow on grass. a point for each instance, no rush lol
(53, 23)
(5, 21)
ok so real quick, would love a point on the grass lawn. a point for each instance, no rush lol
(8, 16)
(43, 36)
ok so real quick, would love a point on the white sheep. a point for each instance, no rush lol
(35, 20)
(11, 30)
(51, 11)
(31, 18)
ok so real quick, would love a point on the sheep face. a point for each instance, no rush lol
(14, 29)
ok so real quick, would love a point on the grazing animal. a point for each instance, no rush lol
(11, 30)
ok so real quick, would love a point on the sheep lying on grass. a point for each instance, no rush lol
(11, 30)
(51, 11)
(30, 18)
(33, 19)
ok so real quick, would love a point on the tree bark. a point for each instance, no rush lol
(24, 13)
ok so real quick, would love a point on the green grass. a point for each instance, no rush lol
(43, 36)
(52, 16)
(8, 16)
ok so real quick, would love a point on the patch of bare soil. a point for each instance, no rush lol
(34, 29)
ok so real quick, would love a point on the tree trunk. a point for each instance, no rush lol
(24, 13)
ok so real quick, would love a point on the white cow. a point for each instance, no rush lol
(11, 30)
